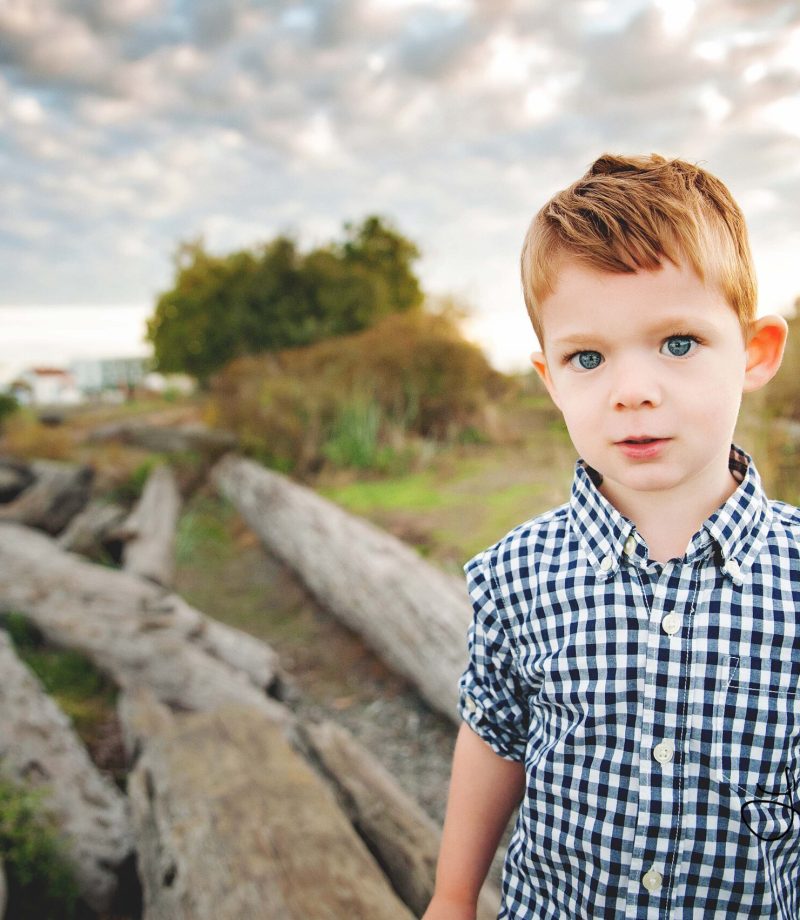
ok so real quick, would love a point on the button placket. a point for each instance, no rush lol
(664, 724)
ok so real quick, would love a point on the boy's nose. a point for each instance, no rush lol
(633, 388)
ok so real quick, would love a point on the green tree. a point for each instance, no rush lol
(276, 297)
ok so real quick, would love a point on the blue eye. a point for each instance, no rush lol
(678, 346)
(586, 360)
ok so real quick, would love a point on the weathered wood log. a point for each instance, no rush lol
(58, 492)
(90, 530)
(168, 438)
(39, 747)
(3, 890)
(230, 822)
(402, 836)
(132, 629)
(149, 531)
(15, 475)
(414, 615)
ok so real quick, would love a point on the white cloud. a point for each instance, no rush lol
(132, 124)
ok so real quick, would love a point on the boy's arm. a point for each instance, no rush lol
(484, 790)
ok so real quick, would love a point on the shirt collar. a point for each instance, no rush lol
(736, 530)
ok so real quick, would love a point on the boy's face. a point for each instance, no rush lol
(648, 370)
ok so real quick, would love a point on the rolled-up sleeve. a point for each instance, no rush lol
(491, 698)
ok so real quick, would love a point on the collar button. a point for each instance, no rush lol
(606, 563)
(731, 568)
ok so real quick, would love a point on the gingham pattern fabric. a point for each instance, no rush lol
(656, 709)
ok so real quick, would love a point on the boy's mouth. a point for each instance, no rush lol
(643, 447)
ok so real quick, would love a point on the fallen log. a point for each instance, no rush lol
(90, 531)
(133, 630)
(15, 475)
(149, 531)
(403, 838)
(167, 438)
(58, 492)
(411, 613)
(39, 747)
(230, 822)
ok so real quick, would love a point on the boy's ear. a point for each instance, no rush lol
(539, 363)
(764, 348)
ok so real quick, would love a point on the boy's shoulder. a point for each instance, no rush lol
(526, 541)
(786, 517)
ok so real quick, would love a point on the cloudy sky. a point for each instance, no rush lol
(128, 125)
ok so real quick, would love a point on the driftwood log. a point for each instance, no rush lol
(39, 747)
(58, 492)
(149, 531)
(411, 613)
(168, 438)
(15, 475)
(90, 531)
(133, 630)
(231, 822)
(402, 836)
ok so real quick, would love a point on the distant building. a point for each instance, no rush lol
(98, 375)
(94, 379)
(45, 386)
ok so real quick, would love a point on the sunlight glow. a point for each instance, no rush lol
(676, 15)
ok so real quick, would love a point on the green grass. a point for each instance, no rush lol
(414, 492)
(203, 530)
(40, 880)
(86, 695)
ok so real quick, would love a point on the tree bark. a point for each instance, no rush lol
(402, 836)
(231, 823)
(149, 531)
(168, 438)
(411, 613)
(90, 530)
(58, 492)
(133, 630)
(39, 747)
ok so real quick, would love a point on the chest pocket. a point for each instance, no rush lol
(756, 724)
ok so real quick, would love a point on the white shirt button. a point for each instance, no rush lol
(470, 704)
(732, 568)
(671, 624)
(630, 545)
(652, 880)
(606, 563)
(663, 752)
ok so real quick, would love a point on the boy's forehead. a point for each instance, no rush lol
(585, 300)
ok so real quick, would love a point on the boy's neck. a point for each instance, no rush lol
(668, 519)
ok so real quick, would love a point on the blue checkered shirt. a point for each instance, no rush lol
(655, 707)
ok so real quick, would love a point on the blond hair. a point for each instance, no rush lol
(629, 213)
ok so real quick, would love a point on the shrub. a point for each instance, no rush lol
(357, 400)
(40, 880)
(782, 394)
(8, 406)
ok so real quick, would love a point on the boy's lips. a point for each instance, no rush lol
(641, 447)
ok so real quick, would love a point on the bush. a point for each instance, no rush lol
(782, 394)
(359, 400)
(41, 883)
(8, 406)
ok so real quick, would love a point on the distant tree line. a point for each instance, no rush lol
(276, 297)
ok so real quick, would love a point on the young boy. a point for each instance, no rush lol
(634, 657)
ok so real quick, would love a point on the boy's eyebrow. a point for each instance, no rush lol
(676, 325)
